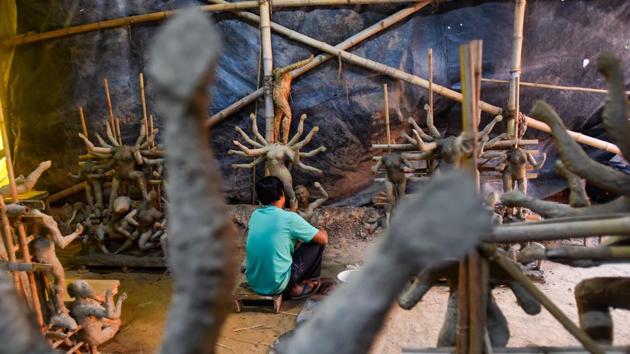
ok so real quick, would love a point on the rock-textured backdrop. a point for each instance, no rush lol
(50, 79)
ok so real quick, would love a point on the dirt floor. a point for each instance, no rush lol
(145, 310)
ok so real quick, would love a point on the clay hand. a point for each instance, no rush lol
(79, 229)
(122, 297)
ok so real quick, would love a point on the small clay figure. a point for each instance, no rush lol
(47, 236)
(278, 157)
(26, 184)
(94, 176)
(497, 325)
(396, 182)
(514, 168)
(306, 209)
(121, 224)
(99, 319)
(281, 91)
(148, 218)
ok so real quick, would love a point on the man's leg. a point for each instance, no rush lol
(307, 263)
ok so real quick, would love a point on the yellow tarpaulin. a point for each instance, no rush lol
(8, 27)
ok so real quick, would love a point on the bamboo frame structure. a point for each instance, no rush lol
(110, 110)
(318, 60)
(388, 132)
(27, 38)
(513, 104)
(550, 86)
(22, 239)
(418, 81)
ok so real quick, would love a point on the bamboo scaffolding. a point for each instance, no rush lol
(418, 81)
(26, 254)
(143, 99)
(513, 104)
(318, 60)
(267, 60)
(83, 124)
(7, 238)
(430, 60)
(522, 279)
(550, 86)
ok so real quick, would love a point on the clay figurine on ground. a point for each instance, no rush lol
(306, 209)
(99, 318)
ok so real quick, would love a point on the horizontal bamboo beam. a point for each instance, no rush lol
(550, 86)
(418, 81)
(318, 60)
(557, 230)
(21, 39)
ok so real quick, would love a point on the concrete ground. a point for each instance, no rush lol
(144, 313)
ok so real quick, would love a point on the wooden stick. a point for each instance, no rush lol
(152, 128)
(26, 253)
(318, 60)
(144, 108)
(522, 279)
(399, 147)
(550, 86)
(267, 59)
(513, 106)
(418, 81)
(387, 128)
(110, 110)
(83, 124)
(430, 59)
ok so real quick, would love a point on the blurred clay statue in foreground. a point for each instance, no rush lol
(26, 184)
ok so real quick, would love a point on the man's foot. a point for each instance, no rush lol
(305, 289)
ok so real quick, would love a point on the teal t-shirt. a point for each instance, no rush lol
(270, 244)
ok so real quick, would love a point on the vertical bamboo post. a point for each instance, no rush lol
(472, 292)
(515, 68)
(110, 110)
(267, 55)
(144, 108)
(7, 239)
(387, 127)
(430, 163)
(26, 254)
(118, 133)
(151, 129)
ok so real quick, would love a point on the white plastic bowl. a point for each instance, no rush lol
(347, 275)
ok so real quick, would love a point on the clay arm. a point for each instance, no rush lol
(102, 141)
(249, 165)
(307, 139)
(247, 138)
(251, 152)
(313, 152)
(378, 165)
(130, 218)
(110, 135)
(255, 131)
(576, 160)
(488, 128)
(423, 135)
(494, 140)
(306, 168)
(615, 115)
(296, 65)
(319, 201)
(430, 124)
(94, 149)
(548, 209)
(152, 162)
(299, 132)
(53, 230)
(428, 278)
(532, 160)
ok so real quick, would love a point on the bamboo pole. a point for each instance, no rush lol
(152, 129)
(26, 254)
(318, 60)
(7, 239)
(110, 110)
(550, 86)
(522, 279)
(430, 59)
(267, 59)
(461, 340)
(513, 105)
(418, 81)
(144, 108)
(26, 38)
(387, 127)
(118, 134)
(557, 230)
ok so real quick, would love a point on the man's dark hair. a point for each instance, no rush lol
(269, 189)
